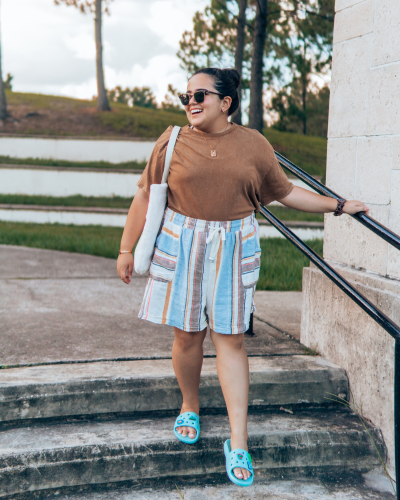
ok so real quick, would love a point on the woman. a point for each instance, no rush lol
(206, 262)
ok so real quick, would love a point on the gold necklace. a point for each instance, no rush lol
(214, 150)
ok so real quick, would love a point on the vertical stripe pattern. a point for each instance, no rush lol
(203, 273)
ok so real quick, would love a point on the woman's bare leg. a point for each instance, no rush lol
(233, 374)
(187, 358)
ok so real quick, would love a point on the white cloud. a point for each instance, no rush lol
(50, 49)
(85, 90)
(157, 74)
(170, 18)
(82, 45)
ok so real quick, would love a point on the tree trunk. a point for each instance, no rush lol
(256, 113)
(3, 101)
(102, 99)
(304, 98)
(239, 50)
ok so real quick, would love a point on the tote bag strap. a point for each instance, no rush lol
(170, 150)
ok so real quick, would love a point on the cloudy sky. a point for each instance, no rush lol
(50, 49)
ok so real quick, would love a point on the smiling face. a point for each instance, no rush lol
(206, 116)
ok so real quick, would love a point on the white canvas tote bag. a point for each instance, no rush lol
(155, 212)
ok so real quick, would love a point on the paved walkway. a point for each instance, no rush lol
(62, 307)
(59, 306)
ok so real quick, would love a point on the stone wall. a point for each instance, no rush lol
(77, 148)
(363, 162)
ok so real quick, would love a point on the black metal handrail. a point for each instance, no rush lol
(384, 321)
(367, 221)
(342, 283)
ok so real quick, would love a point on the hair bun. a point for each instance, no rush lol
(234, 74)
(226, 83)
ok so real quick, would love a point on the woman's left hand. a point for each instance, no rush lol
(353, 206)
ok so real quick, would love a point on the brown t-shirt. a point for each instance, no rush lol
(231, 186)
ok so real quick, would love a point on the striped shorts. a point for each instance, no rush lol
(203, 273)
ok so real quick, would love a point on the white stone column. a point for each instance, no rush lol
(363, 163)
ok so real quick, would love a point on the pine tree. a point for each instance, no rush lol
(3, 100)
(95, 7)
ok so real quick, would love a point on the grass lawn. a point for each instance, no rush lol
(131, 165)
(38, 114)
(290, 214)
(281, 262)
(283, 213)
(92, 240)
(67, 201)
(307, 152)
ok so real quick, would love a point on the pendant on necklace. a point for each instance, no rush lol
(213, 153)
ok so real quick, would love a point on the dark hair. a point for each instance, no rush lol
(226, 82)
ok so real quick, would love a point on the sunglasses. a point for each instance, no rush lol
(199, 96)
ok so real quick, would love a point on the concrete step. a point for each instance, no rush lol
(342, 485)
(71, 454)
(66, 390)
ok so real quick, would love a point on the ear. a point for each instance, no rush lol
(226, 103)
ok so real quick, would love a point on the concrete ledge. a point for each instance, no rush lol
(143, 386)
(68, 182)
(343, 333)
(101, 169)
(116, 217)
(295, 224)
(105, 210)
(60, 208)
(91, 453)
(76, 149)
(79, 137)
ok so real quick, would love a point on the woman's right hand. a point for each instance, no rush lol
(125, 267)
(133, 227)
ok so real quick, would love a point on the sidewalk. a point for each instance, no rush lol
(59, 306)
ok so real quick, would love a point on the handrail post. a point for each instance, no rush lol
(250, 331)
(397, 414)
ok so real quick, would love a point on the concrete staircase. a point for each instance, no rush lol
(91, 424)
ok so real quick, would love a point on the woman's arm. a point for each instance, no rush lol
(133, 229)
(308, 201)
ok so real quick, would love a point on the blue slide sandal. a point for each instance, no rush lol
(238, 458)
(187, 419)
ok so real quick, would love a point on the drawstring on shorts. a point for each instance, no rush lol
(213, 237)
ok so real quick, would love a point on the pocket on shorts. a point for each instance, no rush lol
(163, 264)
(251, 254)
